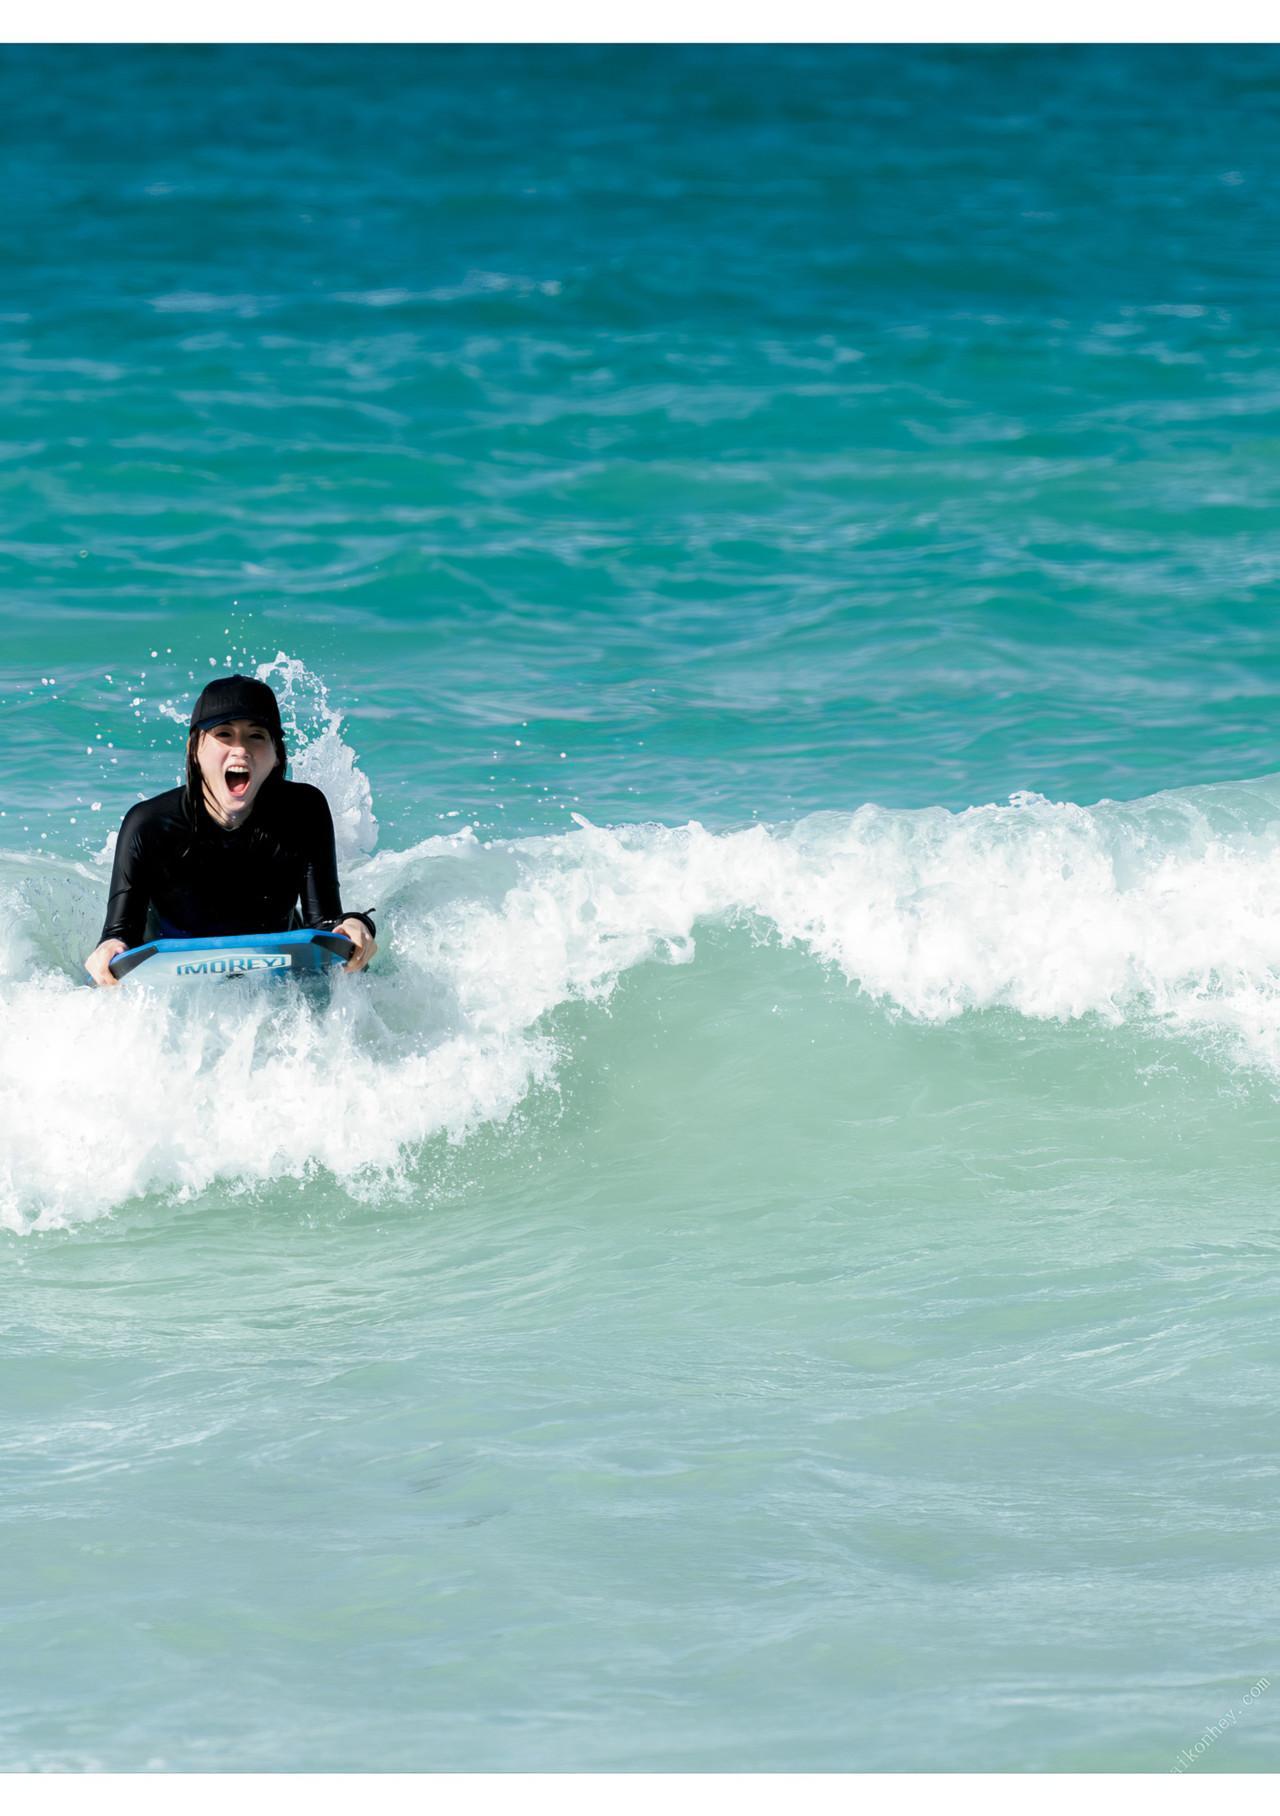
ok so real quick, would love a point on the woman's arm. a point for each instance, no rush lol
(127, 900)
(321, 901)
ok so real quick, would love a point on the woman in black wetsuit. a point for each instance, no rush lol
(235, 848)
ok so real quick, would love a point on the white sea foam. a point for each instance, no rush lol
(1160, 911)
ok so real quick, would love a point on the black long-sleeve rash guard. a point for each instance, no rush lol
(169, 880)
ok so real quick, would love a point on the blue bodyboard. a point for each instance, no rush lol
(233, 955)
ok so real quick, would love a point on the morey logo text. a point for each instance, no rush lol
(213, 967)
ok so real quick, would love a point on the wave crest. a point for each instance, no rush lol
(1160, 911)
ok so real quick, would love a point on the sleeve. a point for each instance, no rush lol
(130, 893)
(321, 902)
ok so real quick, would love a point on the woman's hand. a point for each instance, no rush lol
(363, 941)
(99, 960)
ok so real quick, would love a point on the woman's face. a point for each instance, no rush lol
(235, 760)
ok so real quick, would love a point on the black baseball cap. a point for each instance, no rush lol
(237, 697)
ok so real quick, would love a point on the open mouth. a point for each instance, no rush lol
(237, 781)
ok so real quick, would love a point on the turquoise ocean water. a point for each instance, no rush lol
(772, 555)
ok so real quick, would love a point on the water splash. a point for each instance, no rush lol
(318, 754)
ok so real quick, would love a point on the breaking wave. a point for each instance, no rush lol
(1159, 911)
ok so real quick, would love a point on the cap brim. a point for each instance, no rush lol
(230, 719)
